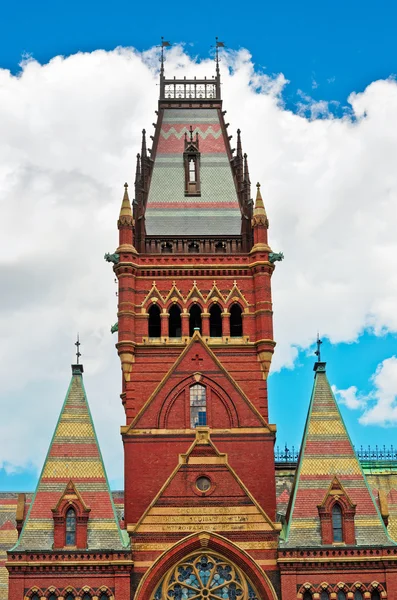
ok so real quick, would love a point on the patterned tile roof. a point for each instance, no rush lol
(328, 452)
(74, 455)
(216, 211)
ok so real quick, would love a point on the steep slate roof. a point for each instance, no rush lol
(216, 211)
(327, 452)
(74, 455)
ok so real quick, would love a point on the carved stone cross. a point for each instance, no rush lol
(197, 358)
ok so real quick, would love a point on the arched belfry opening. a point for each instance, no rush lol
(194, 319)
(154, 325)
(174, 322)
(215, 321)
(236, 321)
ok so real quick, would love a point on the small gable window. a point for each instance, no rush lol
(236, 321)
(70, 537)
(215, 321)
(174, 322)
(154, 322)
(194, 319)
(198, 406)
(337, 523)
(191, 159)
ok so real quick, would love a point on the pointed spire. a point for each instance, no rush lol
(138, 168)
(125, 210)
(327, 453)
(144, 150)
(259, 210)
(73, 456)
(239, 146)
(246, 171)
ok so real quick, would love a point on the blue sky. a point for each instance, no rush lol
(326, 52)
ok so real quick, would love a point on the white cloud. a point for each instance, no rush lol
(70, 132)
(349, 397)
(379, 405)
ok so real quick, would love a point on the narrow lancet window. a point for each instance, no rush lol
(215, 321)
(194, 319)
(337, 524)
(324, 595)
(375, 595)
(70, 539)
(198, 406)
(236, 321)
(307, 596)
(174, 323)
(341, 595)
(191, 159)
(358, 595)
(154, 322)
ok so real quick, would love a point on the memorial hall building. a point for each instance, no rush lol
(208, 511)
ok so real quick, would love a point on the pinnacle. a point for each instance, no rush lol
(125, 210)
(259, 206)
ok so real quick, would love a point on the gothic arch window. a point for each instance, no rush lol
(358, 595)
(307, 596)
(70, 527)
(53, 596)
(205, 576)
(154, 326)
(35, 596)
(215, 321)
(341, 595)
(324, 595)
(236, 321)
(337, 523)
(69, 596)
(86, 596)
(375, 595)
(198, 405)
(174, 322)
(194, 319)
(191, 159)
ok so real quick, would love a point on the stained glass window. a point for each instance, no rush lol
(198, 406)
(205, 576)
(337, 528)
(70, 528)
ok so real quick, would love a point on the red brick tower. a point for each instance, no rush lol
(195, 340)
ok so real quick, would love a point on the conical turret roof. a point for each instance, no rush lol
(74, 457)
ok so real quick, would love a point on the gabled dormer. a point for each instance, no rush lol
(191, 161)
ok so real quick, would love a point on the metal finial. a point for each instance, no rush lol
(78, 353)
(218, 45)
(318, 351)
(163, 45)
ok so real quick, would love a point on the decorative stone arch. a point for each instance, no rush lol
(185, 384)
(52, 590)
(104, 590)
(357, 585)
(376, 586)
(306, 587)
(340, 586)
(324, 587)
(87, 590)
(34, 590)
(211, 543)
(70, 590)
(149, 301)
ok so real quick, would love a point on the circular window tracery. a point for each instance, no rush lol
(205, 576)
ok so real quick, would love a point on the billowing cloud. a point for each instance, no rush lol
(70, 132)
(379, 406)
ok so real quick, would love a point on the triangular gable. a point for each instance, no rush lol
(184, 506)
(194, 364)
(235, 295)
(74, 455)
(327, 453)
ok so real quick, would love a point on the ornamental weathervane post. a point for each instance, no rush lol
(78, 353)
(318, 351)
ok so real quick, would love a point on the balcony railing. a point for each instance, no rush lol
(365, 454)
(190, 89)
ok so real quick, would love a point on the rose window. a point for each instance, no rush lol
(205, 577)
